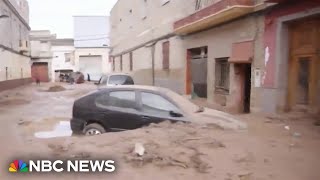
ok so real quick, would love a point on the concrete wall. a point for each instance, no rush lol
(41, 48)
(59, 59)
(174, 78)
(13, 65)
(104, 52)
(219, 41)
(138, 21)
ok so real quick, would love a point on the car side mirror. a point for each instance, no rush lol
(175, 114)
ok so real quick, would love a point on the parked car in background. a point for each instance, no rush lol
(130, 107)
(75, 77)
(114, 80)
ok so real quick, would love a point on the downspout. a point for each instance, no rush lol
(153, 49)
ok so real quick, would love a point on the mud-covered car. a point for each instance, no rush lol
(130, 107)
(115, 79)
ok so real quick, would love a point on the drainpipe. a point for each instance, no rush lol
(153, 49)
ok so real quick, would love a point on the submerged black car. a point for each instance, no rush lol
(130, 107)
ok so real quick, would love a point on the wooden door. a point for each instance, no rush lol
(304, 62)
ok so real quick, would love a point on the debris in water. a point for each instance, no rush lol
(56, 89)
(139, 149)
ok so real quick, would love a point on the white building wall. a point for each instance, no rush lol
(104, 52)
(59, 59)
(13, 29)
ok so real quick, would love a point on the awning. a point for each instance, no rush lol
(242, 52)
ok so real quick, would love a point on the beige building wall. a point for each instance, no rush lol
(219, 41)
(136, 26)
(18, 67)
(15, 67)
(104, 52)
(138, 21)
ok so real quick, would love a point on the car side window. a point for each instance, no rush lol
(153, 103)
(120, 99)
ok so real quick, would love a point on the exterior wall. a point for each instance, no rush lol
(15, 67)
(142, 65)
(219, 41)
(276, 35)
(136, 22)
(59, 59)
(136, 27)
(41, 48)
(104, 52)
(87, 36)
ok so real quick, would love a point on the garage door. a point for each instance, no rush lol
(40, 71)
(91, 65)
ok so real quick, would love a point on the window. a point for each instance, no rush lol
(222, 75)
(67, 57)
(166, 55)
(131, 61)
(153, 103)
(120, 80)
(120, 99)
(121, 65)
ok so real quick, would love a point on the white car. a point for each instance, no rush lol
(115, 80)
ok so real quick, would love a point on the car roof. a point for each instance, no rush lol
(137, 87)
(113, 74)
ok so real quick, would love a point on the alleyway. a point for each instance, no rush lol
(274, 147)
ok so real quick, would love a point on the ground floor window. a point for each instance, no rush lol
(222, 69)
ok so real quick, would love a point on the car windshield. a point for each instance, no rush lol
(183, 103)
(120, 80)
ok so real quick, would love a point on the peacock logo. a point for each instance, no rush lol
(18, 166)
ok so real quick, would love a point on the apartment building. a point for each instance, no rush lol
(244, 55)
(143, 43)
(41, 55)
(14, 44)
(63, 58)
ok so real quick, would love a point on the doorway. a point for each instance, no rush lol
(196, 81)
(303, 63)
(247, 88)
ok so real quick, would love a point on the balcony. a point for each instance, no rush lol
(213, 13)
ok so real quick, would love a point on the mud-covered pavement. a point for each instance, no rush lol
(274, 147)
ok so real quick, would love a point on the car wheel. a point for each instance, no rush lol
(94, 129)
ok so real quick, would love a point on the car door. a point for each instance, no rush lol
(156, 108)
(119, 109)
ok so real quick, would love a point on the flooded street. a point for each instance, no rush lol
(35, 125)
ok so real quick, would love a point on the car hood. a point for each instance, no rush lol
(217, 118)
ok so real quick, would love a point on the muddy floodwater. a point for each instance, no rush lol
(34, 124)
(62, 129)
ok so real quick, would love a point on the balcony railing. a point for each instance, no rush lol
(212, 12)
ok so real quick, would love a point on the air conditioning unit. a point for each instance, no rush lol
(23, 46)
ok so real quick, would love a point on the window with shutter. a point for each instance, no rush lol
(166, 55)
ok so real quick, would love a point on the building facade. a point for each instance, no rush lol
(41, 55)
(14, 44)
(63, 58)
(235, 53)
(143, 43)
(91, 55)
